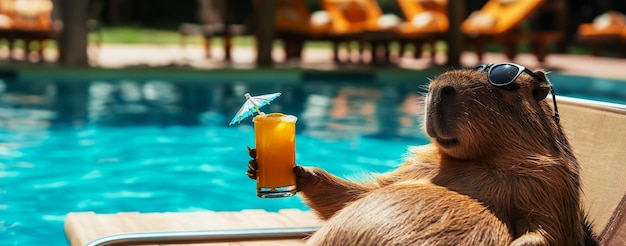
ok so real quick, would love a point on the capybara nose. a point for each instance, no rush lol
(447, 92)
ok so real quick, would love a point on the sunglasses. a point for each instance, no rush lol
(504, 74)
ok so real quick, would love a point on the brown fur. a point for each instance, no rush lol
(493, 146)
(451, 218)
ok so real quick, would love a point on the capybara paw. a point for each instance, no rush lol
(252, 165)
(251, 152)
(306, 177)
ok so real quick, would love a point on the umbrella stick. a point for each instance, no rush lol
(257, 109)
(248, 97)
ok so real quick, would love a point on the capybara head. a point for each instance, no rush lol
(468, 116)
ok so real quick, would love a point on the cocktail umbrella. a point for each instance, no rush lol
(252, 105)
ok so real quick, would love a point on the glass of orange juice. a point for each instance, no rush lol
(275, 135)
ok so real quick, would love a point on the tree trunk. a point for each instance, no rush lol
(265, 32)
(456, 40)
(73, 39)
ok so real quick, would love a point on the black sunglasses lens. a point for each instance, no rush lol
(503, 74)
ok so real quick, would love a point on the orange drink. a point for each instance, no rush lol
(275, 135)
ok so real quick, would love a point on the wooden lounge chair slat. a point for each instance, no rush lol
(299, 217)
(260, 218)
(82, 227)
(76, 231)
(199, 220)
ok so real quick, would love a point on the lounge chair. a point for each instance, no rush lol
(427, 22)
(295, 24)
(498, 21)
(213, 22)
(606, 29)
(295, 17)
(6, 20)
(38, 21)
(353, 16)
(290, 226)
(596, 132)
(362, 21)
(30, 21)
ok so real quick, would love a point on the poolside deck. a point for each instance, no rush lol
(83, 227)
(116, 56)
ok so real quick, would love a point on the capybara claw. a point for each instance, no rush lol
(251, 152)
(251, 174)
(252, 166)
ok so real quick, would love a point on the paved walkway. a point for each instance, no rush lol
(113, 56)
(117, 56)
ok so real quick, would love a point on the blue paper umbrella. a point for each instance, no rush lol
(252, 105)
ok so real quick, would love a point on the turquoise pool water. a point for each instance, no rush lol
(43, 176)
(158, 146)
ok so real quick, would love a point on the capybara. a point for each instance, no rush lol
(496, 143)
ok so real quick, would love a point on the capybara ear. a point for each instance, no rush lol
(541, 88)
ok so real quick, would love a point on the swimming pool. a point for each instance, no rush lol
(151, 146)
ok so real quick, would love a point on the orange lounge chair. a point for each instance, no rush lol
(28, 21)
(353, 16)
(7, 11)
(362, 21)
(606, 29)
(33, 21)
(295, 24)
(498, 21)
(424, 16)
(427, 22)
(294, 16)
